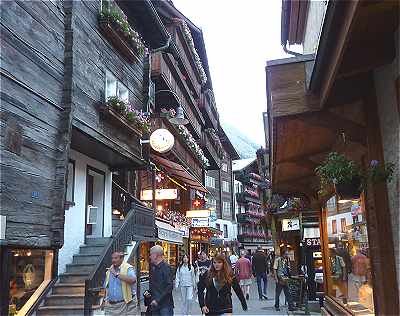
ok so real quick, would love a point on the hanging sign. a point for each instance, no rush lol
(200, 222)
(198, 213)
(161, 194)
(290, 224)
(161, 140)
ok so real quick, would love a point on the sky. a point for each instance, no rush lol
(240, 36)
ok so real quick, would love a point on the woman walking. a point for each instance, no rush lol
(185, 281)
(218, 283)
(244, 273)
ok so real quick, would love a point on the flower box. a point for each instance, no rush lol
(110, 31)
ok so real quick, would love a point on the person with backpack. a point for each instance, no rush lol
(282, 275)
(218, 284)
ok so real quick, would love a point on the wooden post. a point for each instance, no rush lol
(386, 295)
(5, 280)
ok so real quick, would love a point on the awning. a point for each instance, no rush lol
(178, 172)
(168, 232)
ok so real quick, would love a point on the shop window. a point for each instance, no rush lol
(226, 186)
(69, 197)
(334, 226)
(115, 88)
(225, 231)
(348, 264)
(30, 272)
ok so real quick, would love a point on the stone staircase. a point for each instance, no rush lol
(67, 295)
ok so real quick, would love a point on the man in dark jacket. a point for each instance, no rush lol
(259, 264)
(161, 284)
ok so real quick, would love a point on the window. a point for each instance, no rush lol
(238, 187)
(348, 262)
(69, 196)
(218, 226)
(210, 182)
(343, 225)
(115, 88)
(212, 204)
(225, 186)
(225, 231)
(334, 226)
(224, 167)
(226, 209)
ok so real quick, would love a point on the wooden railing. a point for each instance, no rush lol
(209, 145)
(205, 103)
(138, 222)
(173, 78)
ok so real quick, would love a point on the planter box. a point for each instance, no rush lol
(117, 118)
(109, 30)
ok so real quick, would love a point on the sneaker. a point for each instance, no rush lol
(247, 296)
(265, 296)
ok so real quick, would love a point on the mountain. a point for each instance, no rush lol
(244, 146)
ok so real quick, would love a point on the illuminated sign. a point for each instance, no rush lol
(311, 232)
(290, 224)
(200, 222)
(317, 254)
(198, 213)
(161, 194)
(312, 242)
(161, 140)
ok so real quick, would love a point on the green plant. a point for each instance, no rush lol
(378, 172)
(117, 104)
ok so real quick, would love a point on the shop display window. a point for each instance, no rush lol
(30, 272)
(349, 269)
(144, 261)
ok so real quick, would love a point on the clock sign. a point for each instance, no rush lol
(161, 140)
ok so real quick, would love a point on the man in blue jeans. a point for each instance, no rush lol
(260, 269)
(161, 284)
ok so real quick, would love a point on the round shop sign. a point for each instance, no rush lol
(161, 140)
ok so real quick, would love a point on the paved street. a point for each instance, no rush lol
(255, 306)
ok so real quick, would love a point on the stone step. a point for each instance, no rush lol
(64, 310)
(78, 267)
(76, 277)
(64, 299)
(69, 288)
(91, 250)
(85, 259)
(97, 241)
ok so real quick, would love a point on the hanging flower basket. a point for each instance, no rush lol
(349, 190)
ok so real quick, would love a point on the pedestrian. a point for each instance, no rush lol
(159, 297)
(243, 267)
(186, 281)
(259, 265)
(201, 265)
(282, 275)
(120, 282)
(218, 283)
(248, 255)
(233, 258)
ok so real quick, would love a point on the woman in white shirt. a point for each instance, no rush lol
(186, 282)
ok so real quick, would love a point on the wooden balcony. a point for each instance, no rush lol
(207, 106)
(245, 198)
(180, 153)
(210, 150)
(170, 77)
(244, 238)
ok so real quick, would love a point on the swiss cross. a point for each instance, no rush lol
(197, 203)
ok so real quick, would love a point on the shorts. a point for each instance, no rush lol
(245, 282)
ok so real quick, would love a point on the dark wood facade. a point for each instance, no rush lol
(329, 103)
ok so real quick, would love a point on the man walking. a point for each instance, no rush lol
(282, 274)
(201, 265)
(161, 284)
(259, 264)
(120, 283)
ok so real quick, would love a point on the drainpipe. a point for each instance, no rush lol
(290, 52)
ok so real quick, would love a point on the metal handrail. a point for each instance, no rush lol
(124, 235)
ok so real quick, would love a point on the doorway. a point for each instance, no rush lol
(95, 191)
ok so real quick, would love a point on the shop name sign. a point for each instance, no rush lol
(161, 194)
(290, 224)
(311, 242)
(169, 235)
(200, 222)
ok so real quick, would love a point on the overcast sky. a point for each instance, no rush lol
(240, 36)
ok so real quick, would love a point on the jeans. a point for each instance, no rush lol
(278, 290)
(187, 296)
(261, 277)
(164, 311)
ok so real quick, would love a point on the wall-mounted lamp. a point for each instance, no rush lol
(179, 118)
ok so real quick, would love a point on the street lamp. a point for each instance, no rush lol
(179, 118)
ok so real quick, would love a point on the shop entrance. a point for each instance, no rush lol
(95, 190)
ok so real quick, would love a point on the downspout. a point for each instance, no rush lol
(290, 52)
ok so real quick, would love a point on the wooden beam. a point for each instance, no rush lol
(339, 46)
(308, 156)
(361, 58)
(293, 20)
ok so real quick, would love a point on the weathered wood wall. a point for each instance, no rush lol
(32, 64)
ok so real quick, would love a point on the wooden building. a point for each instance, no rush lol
(341, 97)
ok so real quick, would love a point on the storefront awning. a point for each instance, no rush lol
(178, 172)
(168, 232)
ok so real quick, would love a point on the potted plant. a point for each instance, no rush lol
(348, 178)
